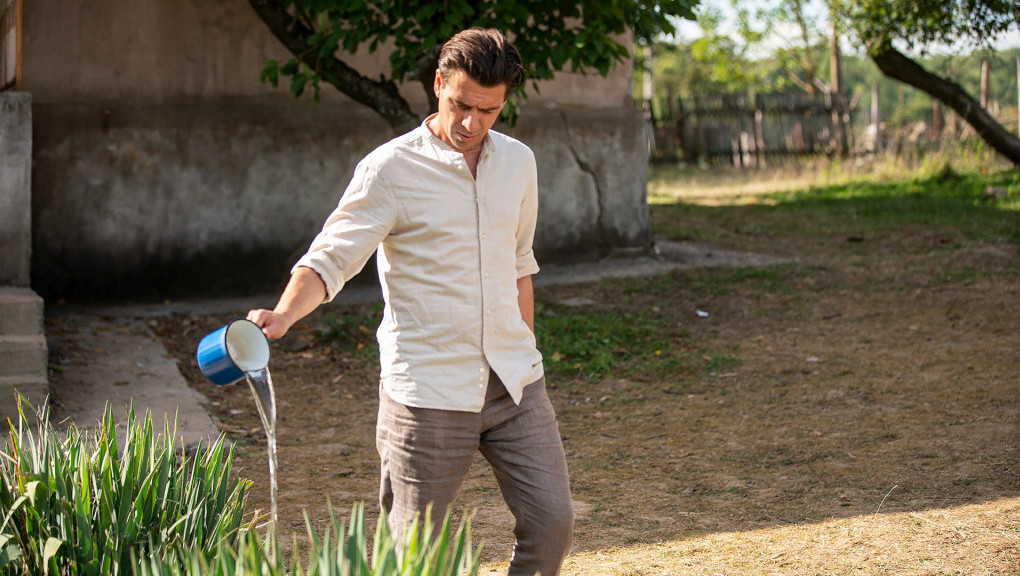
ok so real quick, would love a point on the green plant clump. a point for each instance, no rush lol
(340, 551)
(84, 506)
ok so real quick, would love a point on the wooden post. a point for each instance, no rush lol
(669, 136)
(688, 137)
(984, 83)
(835, 67)
(17, 48)
(759, 133)
(876, 118)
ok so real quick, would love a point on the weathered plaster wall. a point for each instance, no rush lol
(185, 198)
(15, 188)
(163, 166)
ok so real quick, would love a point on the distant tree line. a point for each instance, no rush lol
(712, 66)
(899, 58)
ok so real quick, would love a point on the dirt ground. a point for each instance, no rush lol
(854, 411)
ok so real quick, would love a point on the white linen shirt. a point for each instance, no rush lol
(450, 251)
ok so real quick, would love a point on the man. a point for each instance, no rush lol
(451, 207)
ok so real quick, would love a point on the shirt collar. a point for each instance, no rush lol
(488, 145)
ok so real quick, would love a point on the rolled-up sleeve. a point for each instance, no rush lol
(351, 234)
(527, 221)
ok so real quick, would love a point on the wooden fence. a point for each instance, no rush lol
(745, 131)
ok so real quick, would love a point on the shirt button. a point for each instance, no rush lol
(488, 312)
(481, 370)
(460, 167)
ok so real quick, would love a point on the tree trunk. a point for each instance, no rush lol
(895, 65)
(381, 95)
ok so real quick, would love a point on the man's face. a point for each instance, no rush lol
(466, 110)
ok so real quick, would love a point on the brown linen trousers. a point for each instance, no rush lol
(426, 453)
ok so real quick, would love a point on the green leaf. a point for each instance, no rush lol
(9, 551)
(35, 491)
(53, 546)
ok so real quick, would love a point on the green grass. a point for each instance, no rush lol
(589, 346)
(947, 202)
(857, 235)
(952, 206)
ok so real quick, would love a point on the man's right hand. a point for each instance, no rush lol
(274, 325)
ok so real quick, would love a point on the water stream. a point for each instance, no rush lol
(261, 384)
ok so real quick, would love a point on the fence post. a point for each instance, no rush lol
(876, 117)
(984, 83)
(670, 127)
(748, 133)
(836, 136)
(685, 130)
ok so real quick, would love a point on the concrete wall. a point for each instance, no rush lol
(15, 188)
(163, 167)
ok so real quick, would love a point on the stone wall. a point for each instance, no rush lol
(162, 167)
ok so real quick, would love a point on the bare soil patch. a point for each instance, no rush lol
(855, 410)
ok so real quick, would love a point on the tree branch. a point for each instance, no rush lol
(895, 65)
(381, 96)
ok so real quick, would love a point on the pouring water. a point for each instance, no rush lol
(261, 384)
(239, 351)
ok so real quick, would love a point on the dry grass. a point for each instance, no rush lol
(938, 541)
(728, 186)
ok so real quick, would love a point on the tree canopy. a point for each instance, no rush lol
(917, 24)
(550, 34)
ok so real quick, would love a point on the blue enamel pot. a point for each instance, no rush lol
(230, 352)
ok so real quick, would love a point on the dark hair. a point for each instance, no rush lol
(486, 56)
